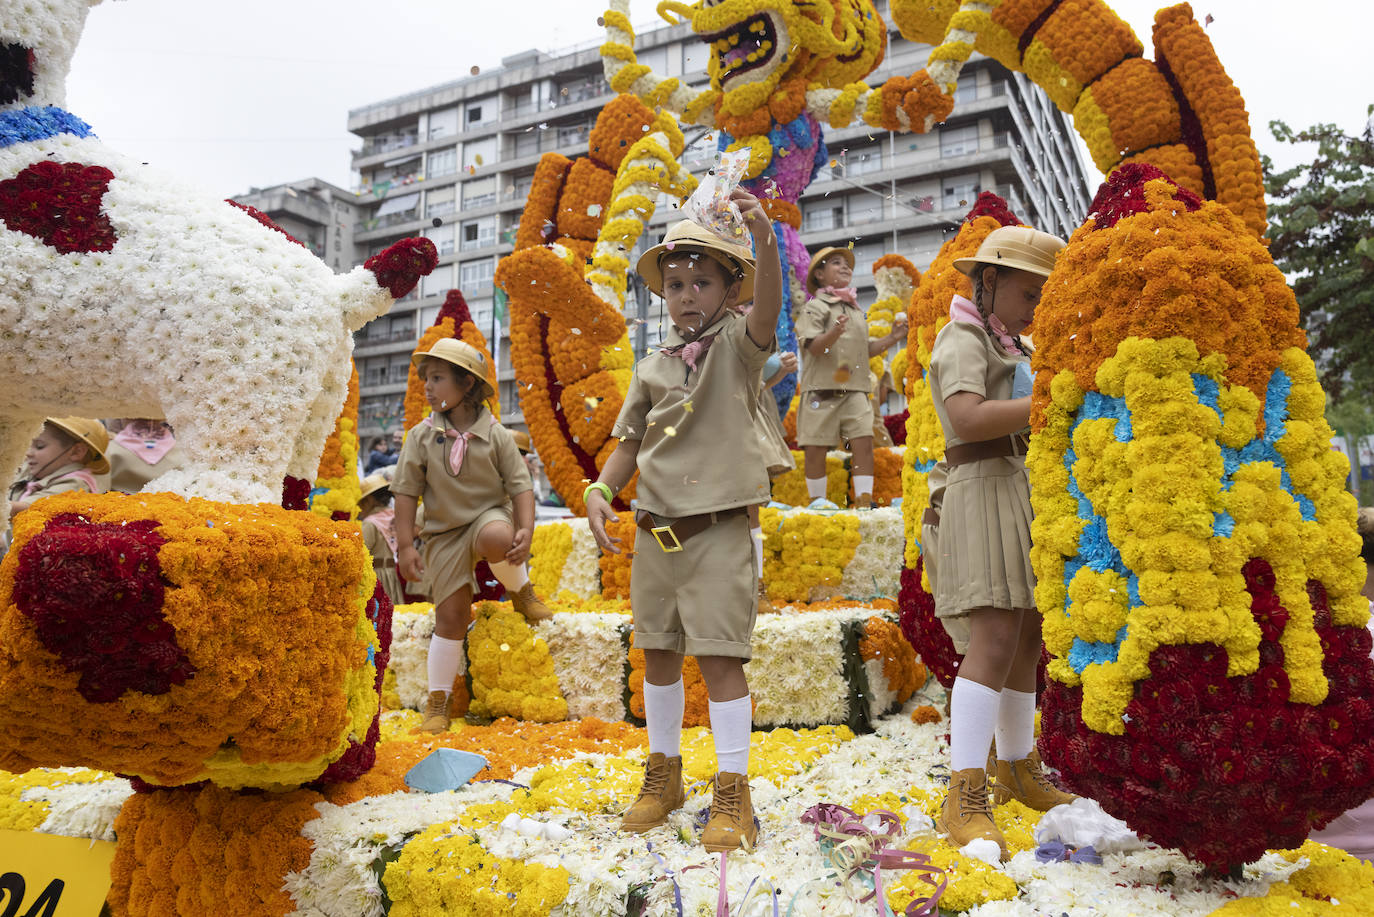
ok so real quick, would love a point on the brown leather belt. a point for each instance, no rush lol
(930, 517)
(963, 453)
(385, 562)
(670, 535)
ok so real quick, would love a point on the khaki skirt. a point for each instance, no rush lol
(984, 542)
(451, 557)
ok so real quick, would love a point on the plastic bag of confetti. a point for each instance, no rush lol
(710, 205)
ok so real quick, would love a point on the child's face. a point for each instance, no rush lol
(695, 287)
(834, 271)
(1014, 300)
(443, 390)
(47, 451)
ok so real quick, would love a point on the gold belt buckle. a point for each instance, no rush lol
(658, 532)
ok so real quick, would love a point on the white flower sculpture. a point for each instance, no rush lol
(126, 292)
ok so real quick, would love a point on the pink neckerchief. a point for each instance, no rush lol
(80, 474)
(460, 438)
(149, 441)
(848, 294)
(691, 351)
(962, 310)
(385, 521)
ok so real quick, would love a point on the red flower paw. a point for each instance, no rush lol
(402, 264)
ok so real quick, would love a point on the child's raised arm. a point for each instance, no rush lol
(763, 317)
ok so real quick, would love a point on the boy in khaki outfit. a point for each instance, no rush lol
(688, 425)
(835, 384)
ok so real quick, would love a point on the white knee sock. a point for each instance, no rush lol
(663, 706)
(815, 488)
(509, 575)
(863, 486)
(732, 721)
(972, 722)
(446, 662)
(758, 551)
(1015, 725)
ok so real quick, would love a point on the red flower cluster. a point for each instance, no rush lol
(401, 265)
(1123, 194)
(59, 203)
(94, 593)
(989, 204)
(1226, 768)
(896, 426)
(359, 758)
(295, 494)
(263, 218)
(916, 616)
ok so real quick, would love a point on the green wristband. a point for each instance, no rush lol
(597, 485)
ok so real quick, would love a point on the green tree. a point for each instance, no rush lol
(1321, 230)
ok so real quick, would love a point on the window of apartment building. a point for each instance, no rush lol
(574, 134)
(443, 123)
(400, 208)
(439, 201)
(958, 191)
(477, 153)
(861, 160)
(398, 368)
(822, 215)
(476, 275)
(442, 237)
(479, 112)
(442, 162)
(372, 371)
(381, 408)
(656, 59)
(864, 208)
(967, 90)
(439, 281)
(477, 233)
(522, 186)
(864, 256)
(480, 308)
(479, 192)
(958, 141)
(695, 55)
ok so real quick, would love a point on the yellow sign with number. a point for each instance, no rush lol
(43, 875)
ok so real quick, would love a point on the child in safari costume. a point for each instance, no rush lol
(689, 425)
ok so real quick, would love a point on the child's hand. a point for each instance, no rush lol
(760, 226)
(899, 319)
(599, 513)
(519, 547)
(788, 361)
(412, 568)
(842, 320)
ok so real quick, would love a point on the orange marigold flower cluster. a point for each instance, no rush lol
(453, 321)
(1188, 274)
(904, 672)
(925, 714)
(268, 607)
(695, 713)
(209, 851)
(337, 478)
(1076, 44)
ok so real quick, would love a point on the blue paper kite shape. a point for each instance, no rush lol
(444, 769)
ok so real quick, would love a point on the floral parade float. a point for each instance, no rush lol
(1198, 574)
(211, 699)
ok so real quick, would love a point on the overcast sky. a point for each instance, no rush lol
(255, 93)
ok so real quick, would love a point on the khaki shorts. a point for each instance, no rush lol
(451, 556)
(700, 601)
(830, 418)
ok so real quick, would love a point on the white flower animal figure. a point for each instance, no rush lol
(125, 292)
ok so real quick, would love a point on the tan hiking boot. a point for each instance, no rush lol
(436, 713)
(731, 826)
(660, 794)
(765, 606)
(1025, 781)
(526, 603)
(967, 815)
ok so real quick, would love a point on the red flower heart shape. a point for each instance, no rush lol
(59, 203)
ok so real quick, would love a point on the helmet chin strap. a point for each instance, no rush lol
(709, 322)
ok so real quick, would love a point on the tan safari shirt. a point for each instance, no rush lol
(492, 472)
(844, 367)
(58, 482)
(699, 447)
(965, 359)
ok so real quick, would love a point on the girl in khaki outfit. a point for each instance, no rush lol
(985, 578)
(688, 425)
(378, 521)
